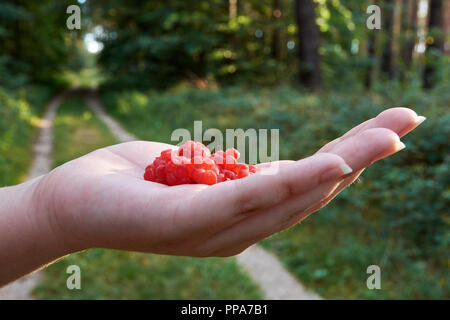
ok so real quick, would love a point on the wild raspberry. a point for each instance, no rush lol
(192, 149)
(193, 163)
(233, 152)
(229, 175)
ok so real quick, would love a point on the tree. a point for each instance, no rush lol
(371, 56)
(387, 57)
(447, 26)
(410, 32)
(371, 51)
(276, 37)
(308, 44)
(28, 52)
(435, 40)
(233, 9)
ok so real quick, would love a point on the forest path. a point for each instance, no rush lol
(42, 163)
(263, 267)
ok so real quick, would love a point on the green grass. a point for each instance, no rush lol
(112, 274)
(77, 131)
(19, 115)
(85, 78)
(396, 216)
(330, 251)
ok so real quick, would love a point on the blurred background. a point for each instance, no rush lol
(309, 68)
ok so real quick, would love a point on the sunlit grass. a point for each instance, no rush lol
(111, 274)
(331, 250)
(77, 131)
(19, 115)
(84, 78)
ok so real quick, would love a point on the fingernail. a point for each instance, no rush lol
(336, 172)
(420, 119)
(345, 168)
(399, 146)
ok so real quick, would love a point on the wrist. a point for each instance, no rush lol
(50, 216)
(29, 237)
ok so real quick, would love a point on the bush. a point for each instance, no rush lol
(18, 111)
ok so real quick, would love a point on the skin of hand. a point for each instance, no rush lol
(101, 200)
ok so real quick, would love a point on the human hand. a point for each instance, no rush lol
(101, 199)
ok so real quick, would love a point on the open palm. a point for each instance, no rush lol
(101, 199)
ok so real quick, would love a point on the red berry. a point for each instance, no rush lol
(148, 175)
(221, 178)
(166, 155)
(208, 177)
(230, 175)
(233, 152)
(229, 162)
(240, 166)
(181, 172)
(243, 173)
(171, 179)
(197, 175)
(191, 149)
(193, 163)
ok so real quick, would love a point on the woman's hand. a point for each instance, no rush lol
(102, 200)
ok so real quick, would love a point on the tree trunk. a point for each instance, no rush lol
(308, 44)
(396, 32)
(388, 24)
(410, 32)
(436, 39)
(232, 9)
(446, 27)
(276, 38)
(371, 51)
(371, 56)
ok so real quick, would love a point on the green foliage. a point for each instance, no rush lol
(18, 115)
(396, 215)
(112, 274)
(33, 44)
(158, 43)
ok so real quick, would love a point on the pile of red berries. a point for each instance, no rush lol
(193, 163)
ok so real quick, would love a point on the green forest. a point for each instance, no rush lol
(310, 68)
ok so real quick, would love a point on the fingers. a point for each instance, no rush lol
(370, 145)
(399, 120)
(358, 151)
(267, 222)
(341, 150)
(224, 204)
(277, 164)
(393, 145)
